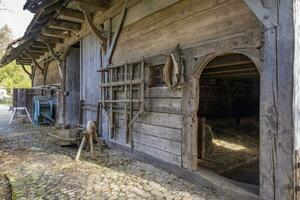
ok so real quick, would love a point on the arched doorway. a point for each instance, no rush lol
(228, 117)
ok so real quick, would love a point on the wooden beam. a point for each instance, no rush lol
(99, 5)
(64, 25)
(93, 28)
(37, 28)
(49, 39)
(52, 8)
(263, 14)
(55, 33)
(37, 49)
(38, 44)
(45, 19)
(35, 54)
(116, 35)
(71, 15)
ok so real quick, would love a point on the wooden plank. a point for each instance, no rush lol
(71, 15)
(49, 39)
(162, 119)
(158, 131)
(165, 156)
(99, 5)
(55, 32)
(158, 143)
(64, 25)
(172, 106)
(163, 92)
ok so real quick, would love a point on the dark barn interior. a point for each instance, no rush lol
(229, 118)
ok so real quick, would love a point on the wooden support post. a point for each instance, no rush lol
(46, 66)
(111, 117)
(130, 105)
(33, 69)
(126, 104)
(279, 98)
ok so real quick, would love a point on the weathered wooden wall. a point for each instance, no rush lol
(23, 97)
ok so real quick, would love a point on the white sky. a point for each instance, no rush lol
(18, 19)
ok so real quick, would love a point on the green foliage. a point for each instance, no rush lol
(12, 75)
(5, 38)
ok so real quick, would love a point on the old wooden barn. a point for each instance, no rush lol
(206, 89)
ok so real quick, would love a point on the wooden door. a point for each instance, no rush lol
(73, 86)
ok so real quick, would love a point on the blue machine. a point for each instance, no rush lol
(44, 110)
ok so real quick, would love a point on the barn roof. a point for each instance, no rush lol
(53, 22)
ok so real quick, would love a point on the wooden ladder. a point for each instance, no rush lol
(126, 78)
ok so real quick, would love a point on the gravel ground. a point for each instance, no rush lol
(38, 168)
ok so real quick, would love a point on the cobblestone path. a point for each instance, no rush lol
(38, 168)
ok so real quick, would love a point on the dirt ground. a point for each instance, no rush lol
(38, 168)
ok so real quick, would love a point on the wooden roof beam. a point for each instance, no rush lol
(55, 33)
(38, 44)
(99, 5)
(49, 39)
(65, 25)
(71, 15)
(37, 49)
(52, 8)
(34, 54)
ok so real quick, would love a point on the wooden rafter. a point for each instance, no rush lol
(52, 8)
(64, 25)
(55, 33)
(49, 39)
(36, 49)
(93, 28)
(39, 44)
(71, 15)
(99, 5)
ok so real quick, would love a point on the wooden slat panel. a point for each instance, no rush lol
(165, 156)
(163, 92)
(158, 143)
(172, 106)
(158, 131)
(162, 119)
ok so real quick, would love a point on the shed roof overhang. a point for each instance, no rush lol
(54, 21)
